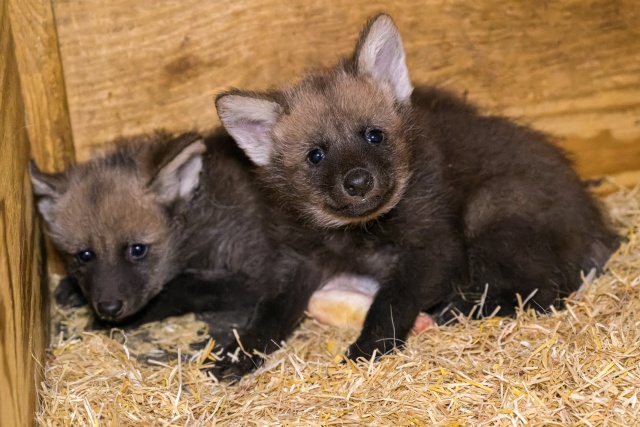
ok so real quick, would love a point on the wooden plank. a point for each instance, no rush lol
(43, 90)
(569, 68)
(22, 311)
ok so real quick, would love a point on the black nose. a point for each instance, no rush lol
(358, 182)
(110, 309)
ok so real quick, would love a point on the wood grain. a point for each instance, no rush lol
(569, 68)
(22, 308)
(43, 90)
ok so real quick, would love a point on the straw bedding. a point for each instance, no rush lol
(580, 366)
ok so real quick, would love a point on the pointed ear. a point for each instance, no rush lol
(47, 188)
(249, 120)
(380, 54)
(179, 167)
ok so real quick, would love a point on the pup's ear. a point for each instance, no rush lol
(380, 53)
(249, 119)
(47, 188)
(178, 165)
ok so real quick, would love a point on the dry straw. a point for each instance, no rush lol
(577, 367)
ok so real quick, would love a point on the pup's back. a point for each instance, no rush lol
(223, 225)
(528, 222)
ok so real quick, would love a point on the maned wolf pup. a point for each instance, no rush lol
(446, 208)
(183, 210)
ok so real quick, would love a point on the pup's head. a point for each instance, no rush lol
(333, 146)
(110, 218)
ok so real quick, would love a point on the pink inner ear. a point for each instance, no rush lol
(256, 129)
(189, 176)
(382, 56)
(254, 137)
(385, 58)
(390, 63)
(249, 121)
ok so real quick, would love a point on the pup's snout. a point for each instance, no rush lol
(358, 182)
(110, 309)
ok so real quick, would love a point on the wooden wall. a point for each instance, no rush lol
(43, 90)
(567, 67)
(22, 309)
(34, 123)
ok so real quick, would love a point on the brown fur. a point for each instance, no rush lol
(478, 209)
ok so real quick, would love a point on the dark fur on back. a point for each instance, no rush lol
(446, 208)
(528, 224)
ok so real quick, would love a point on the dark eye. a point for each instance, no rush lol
(374, 136)
(85, 256)
(315, 156)
(137, 251)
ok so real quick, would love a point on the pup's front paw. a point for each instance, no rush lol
(354, 352)
(366, 348)
(232, 369)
